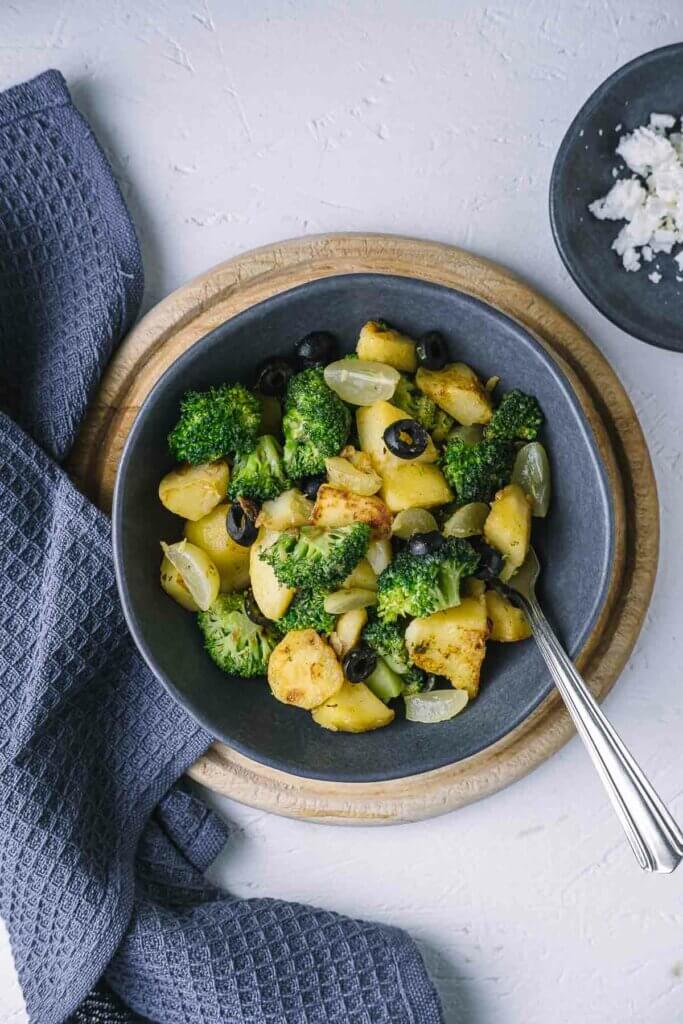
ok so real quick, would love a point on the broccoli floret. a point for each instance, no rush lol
(237, 645)
(307, 611)
(220, 421)
(316, 559)
(477, 471)
(517, 418)
(316, 424)
(420, 407)
(388, 640)
(421, 585)
(259, 473)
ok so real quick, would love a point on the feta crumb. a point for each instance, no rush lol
(650, 200)
(661, 121)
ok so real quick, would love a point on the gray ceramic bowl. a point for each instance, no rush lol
(583, 172)
(574, 543)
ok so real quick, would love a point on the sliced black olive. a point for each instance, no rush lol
(273, 375)
(240, 525)
(425, 543)
(317, 349)
(406, 439)
(490, 560)
(252, 609)
(310, 485)
(432, 351)
(359, 663)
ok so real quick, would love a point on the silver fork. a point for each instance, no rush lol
(655, 838)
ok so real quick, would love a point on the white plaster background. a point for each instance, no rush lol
(234, 124)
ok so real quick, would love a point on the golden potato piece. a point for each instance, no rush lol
(508, 623)
(414, 485)
(343, 473)
(508, 527)
(452, 643)
(272, 597)
(192, 491)
(303, 670)
(174, 585)
(354, 708)
(231, 559)
(363, 576)
(458, 390)
(347, 631)
(335, 506)
(372, 421)
(379, 343)
(288, 510)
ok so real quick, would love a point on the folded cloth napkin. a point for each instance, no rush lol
(102, 851)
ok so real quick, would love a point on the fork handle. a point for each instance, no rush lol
(655, 838)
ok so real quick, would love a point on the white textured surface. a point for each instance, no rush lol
(234, 124)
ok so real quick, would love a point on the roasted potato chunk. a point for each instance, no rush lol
(303, 670)
(458, 390)
(353, 708)
(192, 491)
(363, 576)
(272, 597)
(343, 473)
(452, 643)
(174, 585)
(231, 559)
(414, 485)
(508, 527)
(347, 631)
(508, 624)
(379, 343)
(335, 506)
(372, 421)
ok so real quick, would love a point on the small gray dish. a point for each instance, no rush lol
(583, 172)
(575, 543)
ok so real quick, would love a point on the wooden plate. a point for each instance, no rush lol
(196, 308)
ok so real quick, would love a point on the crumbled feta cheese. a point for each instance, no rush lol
(650, 201)
(661, 121)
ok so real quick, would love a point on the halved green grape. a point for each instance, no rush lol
(437, 706)
(413, 520)
(198, 572)
(467, 521)
(360, 381)
(341, 601)
(532, 472)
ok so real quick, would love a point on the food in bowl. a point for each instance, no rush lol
(344, 518)
(650, 200)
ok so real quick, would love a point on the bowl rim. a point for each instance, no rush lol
(557, 369)
(584, 283)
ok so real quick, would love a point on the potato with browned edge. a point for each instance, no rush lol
(508, 623)
(353, 708)
(508, 527)
(459, 391)
(379, 343)
(304, 670)
(452, 643)
(335, 506)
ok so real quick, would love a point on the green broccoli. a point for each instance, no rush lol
(317, 559)
(259, 473)
(220, 421)
(388, 641)
(307, 611)
(237, 645)
(477, 471)
(420, 407)
(421, 585)
(315, 424)
(517, 418)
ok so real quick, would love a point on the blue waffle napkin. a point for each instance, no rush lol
(102, 850)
